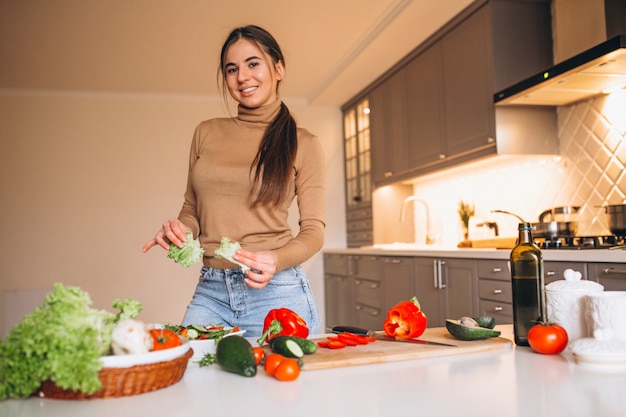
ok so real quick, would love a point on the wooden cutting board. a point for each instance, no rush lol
(382, 351)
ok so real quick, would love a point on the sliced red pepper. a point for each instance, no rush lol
(347, 340)
(283, 322)
(405, 319)
(336, 344)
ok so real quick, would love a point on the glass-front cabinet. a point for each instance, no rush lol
(357, 153)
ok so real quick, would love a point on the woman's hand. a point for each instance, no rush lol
(172, 232)
(263, 266)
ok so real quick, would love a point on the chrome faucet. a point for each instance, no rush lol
(429, 237)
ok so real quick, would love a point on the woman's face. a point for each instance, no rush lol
(251, 76)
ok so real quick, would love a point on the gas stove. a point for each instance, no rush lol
(581, 242)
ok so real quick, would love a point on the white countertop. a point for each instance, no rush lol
(510, 383)
(567, 255)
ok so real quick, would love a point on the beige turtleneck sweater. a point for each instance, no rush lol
(218, 186)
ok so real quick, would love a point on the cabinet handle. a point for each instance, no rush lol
(490, 140)
(498, 308)
(396, 261)
(388, 174)
(438, 274)
(374, 286)
(374, 313)
(496, 269)
(357, 282)
(358, 307)
(497, 291)
(442, 156)
(550, 273)
(609, 271)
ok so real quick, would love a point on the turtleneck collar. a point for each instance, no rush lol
(264, 114)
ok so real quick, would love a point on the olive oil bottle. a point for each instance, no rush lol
(527, 284)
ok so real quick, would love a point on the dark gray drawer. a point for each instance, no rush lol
(494, 269)
(495, 290)
(368, 292)
(336, 264)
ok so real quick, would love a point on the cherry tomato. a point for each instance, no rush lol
(287, 370)
(271, 363)
(164, 339)
(259, 354)
(547, 338)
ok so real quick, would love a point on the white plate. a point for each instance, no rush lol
(600, 355)
(202, 347)
(126, 361)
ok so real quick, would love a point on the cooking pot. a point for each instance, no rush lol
(558, 225)
(617, 218)
(561, 222)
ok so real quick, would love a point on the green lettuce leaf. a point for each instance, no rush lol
(189, 254)
(227, 251)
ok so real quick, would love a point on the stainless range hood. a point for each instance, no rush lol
(599, 70)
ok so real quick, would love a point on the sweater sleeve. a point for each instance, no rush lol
(310, 190)
(189, 214)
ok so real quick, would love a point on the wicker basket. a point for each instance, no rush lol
(121, 382)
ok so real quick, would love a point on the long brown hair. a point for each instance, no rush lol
(273, 163)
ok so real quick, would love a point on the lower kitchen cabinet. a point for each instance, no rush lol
(611, 275)
(446, 288)
(338, 290)
(380, 282)
(495, 291)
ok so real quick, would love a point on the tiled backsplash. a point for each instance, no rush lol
(588, 173)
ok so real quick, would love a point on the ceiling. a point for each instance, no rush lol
(332, 48)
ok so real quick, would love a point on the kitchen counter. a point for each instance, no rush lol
(567, 255)
(510, 383)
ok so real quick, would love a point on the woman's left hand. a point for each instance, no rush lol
(263, 266)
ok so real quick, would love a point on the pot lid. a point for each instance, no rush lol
(574, 283)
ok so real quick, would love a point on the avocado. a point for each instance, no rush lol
(463, 332)
(235, 354)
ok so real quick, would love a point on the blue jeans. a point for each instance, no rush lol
(222, 297)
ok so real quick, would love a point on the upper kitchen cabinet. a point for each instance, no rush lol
(388, 127)
(445, 114)
(357, 155)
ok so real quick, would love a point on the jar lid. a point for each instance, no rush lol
(574, 283)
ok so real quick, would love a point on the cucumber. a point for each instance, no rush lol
(286, 346)
(235, 354)
(307, 346)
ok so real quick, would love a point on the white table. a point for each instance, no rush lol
(510, 383)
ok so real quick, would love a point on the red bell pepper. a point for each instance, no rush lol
(405, 319)
(283, 322)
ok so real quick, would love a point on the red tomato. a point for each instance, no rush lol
(164, 339)
(259, 354)
(287, 370)
(547, 338)
(271, 363)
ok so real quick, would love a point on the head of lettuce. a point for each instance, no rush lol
(62, 341)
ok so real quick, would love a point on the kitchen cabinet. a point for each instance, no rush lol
(380, 282)
(495, 291)
(359, 290)
(446, 288)
(434, 109)
(611, 275)
(494, 285)
(357, 164)
(338, 290)
(388, 127)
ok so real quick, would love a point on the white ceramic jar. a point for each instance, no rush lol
(565, 303)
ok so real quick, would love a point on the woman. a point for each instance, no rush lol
(244, 173)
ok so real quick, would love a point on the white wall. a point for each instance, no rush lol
(86, 179)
